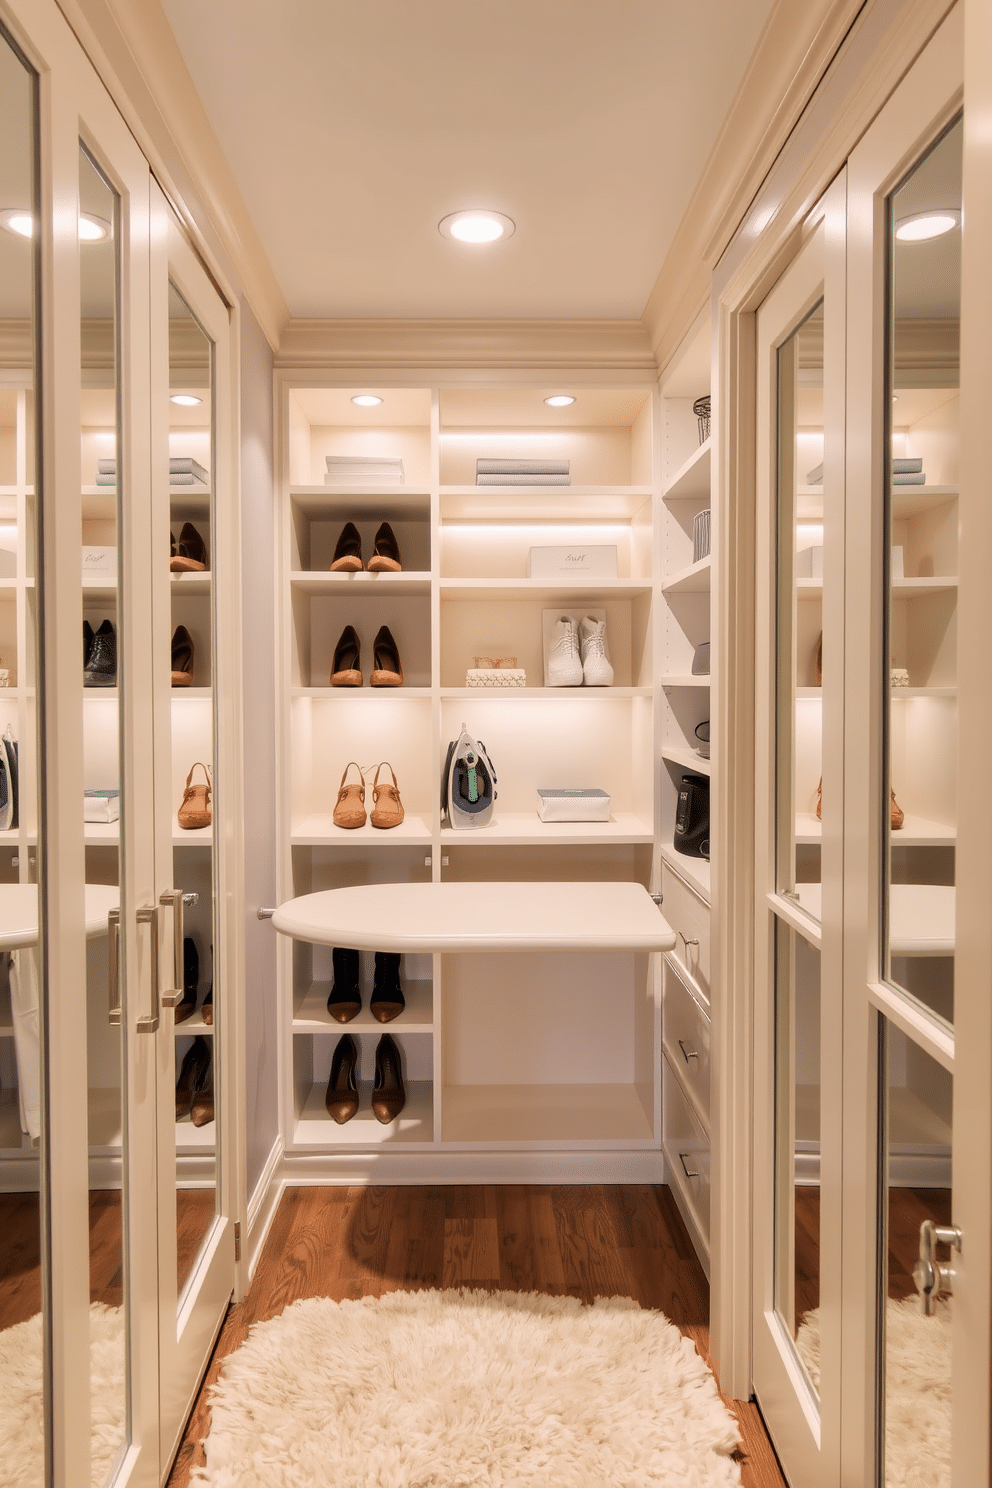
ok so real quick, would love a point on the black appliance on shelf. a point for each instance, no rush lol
(692, 817)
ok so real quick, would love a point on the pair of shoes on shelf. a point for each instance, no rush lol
(189, 554)
(345, 1000)
(388, 1092)
(387, 808)
(346, 668)
(194, 1097)
(577, 654)
(99, 655)
(191, 982)
(896, 814)
(348, 553)
(182, 658)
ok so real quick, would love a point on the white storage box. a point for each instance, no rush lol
(584, 561)
(99, 561)
(558, 805)
(809, 563)
(101, 805)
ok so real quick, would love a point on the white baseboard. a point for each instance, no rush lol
(407, 1168)
(263, 1204)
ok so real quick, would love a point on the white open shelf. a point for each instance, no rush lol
(320, 831)
(694, 579)
(507, 694)
(345, 503)
(498, 589)
(901, 588)
(546, 1115)
(415, 1123)
(695, 871)
(915, 831)
(682, 680)
(691, 482)
(417, 1017)
(190, 583)
(365, 584)
(551, 503)
(521, 829)
(688, 758)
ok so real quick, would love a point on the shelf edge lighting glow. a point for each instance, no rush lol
(923, 226)
(476, 226)
(18, 221)
(366, 400)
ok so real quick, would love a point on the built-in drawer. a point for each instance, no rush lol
(687, 1152)
(686, 1036)
(689, 917)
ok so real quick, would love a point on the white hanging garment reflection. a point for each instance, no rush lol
(27, 1037)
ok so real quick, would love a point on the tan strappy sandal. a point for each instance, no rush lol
(387, 808)
(349, 811)
(196, 810)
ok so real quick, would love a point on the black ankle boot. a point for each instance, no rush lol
(101, 664)
(191, 980)
(387, 1001)
(345, 1001)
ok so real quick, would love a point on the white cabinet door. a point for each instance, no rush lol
(197, 605)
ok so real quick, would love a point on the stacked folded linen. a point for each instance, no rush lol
(363, 470)
(183, 471)
(522, 473)
(101, 805)
(907, 470)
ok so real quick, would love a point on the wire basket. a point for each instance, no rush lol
(701, 408)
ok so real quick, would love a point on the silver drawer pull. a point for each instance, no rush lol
(687, 1054)
(176, 898)
(148, 915)
(686, 1171)
(113, 964)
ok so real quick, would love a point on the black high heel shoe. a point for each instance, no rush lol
(387, 1000)
(389, 1093)
(345, 1001)
(346, 668)
(386, 552)
(348, 553)
(341, 1098)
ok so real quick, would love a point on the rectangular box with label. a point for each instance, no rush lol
(562, 804)
(583, 561)
(100, 561)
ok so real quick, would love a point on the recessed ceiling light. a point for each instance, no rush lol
(923, 226)
(476, 226)
(92, 229)
(366, 400)
(560, 400)
(185, 400)
(17, 220)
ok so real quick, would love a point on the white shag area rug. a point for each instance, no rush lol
(454, 1389)
(917, 1391)
(22, 1452)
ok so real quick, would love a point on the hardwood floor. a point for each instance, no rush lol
(568, 1241)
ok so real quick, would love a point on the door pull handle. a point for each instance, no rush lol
(934, 1279)
(687, 1054)
(113, 965)
(687, 943)
(173, 996)
(149, 916)
(693, 1173)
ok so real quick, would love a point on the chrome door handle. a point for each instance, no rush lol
(932, 1278)
(687, 943)
(149, 916)
(688, 1174)
(113, 967)
(687, 1054)
(174, 995)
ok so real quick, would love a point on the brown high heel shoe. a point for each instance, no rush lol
(182, 658)
(192, 1076)
(389, 1093)
(386, 552)
(387, 669)
(348, 553)
(349, 809)
(387, 808)
(346, 668)
(190, 555)
(341, 1096)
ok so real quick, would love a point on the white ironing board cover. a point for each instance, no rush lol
(19, 912)
(479, 917)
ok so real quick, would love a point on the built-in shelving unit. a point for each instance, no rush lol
(508, 1056)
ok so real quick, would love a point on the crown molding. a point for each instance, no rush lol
(606, 345)
(134, 50)
(790, 57)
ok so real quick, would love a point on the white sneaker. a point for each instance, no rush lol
(596, 670)
(564, 664)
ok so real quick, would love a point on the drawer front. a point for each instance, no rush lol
(687, 1151)
(686, 1034)
(689, 917)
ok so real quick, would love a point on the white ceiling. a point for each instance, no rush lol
(352, 129)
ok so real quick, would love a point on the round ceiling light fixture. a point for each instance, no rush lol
(560, 400)
(19, 221)
(476, 226)
(93, 229)
(185, 400)
(366, 400)
(922, 226)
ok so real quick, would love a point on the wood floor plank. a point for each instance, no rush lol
(587, 1241)
(471, 1252)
